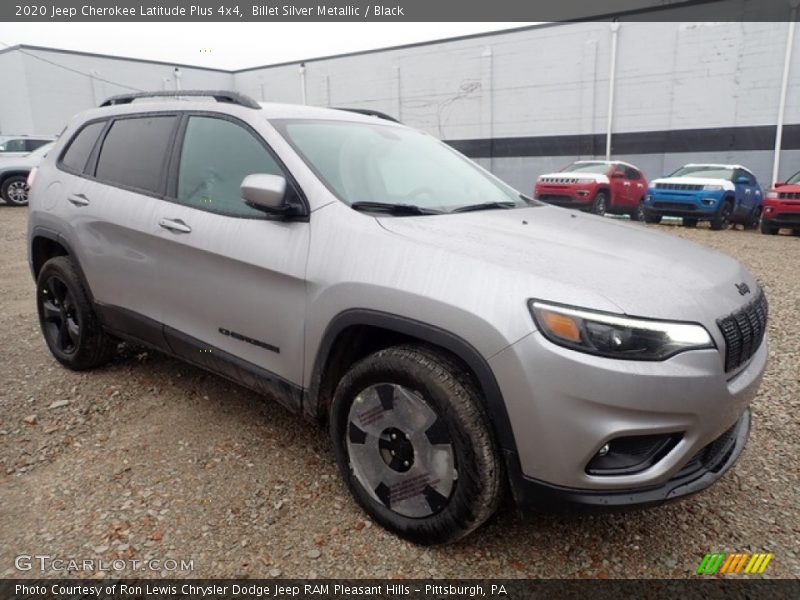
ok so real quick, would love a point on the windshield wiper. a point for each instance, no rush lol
(394, 209)
(485, 206)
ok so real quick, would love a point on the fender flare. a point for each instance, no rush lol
(50, 234)
(491, 395)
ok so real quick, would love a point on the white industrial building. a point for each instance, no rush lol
(522, 101)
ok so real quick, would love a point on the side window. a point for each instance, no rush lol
(31, 145)
(14, 146)
(134, 153)
(631, 173)
(742, 173)
(81, 146)
(216, 156)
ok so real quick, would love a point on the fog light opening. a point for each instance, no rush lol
(631, 454)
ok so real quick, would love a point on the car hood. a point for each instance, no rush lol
(573, 177)
(584, 260)
(727, 185)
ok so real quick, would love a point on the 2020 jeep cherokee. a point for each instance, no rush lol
(597, 186)
(457, 337)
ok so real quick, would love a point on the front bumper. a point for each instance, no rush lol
(700, 205)
(708, 465)
(564, 406)
(782, 218)
(569, 196)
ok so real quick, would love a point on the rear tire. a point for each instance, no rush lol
(15, 191)
(639, 213)
(722, 220)
(689, 223)
(755, 219)
(67, 319)
(391, 414)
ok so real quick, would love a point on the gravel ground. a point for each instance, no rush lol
(151, 458)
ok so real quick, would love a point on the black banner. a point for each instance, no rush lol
(416, 589)
(395, 10)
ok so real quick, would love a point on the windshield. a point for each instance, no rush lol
(378, 163)
(582, 167)
(704, 171)
(794, 179)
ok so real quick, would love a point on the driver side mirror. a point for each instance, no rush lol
(779, 183)
(264, 192)
(742, 180)
(618, 174)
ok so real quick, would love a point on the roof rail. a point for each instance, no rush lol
(218, 95)
(369, 112)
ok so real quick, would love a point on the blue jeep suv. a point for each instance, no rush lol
(721, 194)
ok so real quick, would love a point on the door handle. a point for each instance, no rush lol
(175, 225)
(78, 200)
(627, 183)
(747, 191)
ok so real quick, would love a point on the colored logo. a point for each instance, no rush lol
(733, 562)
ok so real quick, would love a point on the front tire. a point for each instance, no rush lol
(67, 318)
(15, 190)
(413, 445)
(768, 229)
(600, 204)
(722, 220)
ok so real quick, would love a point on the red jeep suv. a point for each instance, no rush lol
(598, 186)
(782, 207)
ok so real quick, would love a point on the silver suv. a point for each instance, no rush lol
(457, 338)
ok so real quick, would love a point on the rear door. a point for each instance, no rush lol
(745, 192)
(113, 211)
(231, 278)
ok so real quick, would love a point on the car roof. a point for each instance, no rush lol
(717, 166)
(605, 162)
(269, 110)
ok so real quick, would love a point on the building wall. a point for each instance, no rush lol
(521, 102)
(58, 85)
(554, 81)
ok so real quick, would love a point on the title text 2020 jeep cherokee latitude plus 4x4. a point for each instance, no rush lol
(456, 336)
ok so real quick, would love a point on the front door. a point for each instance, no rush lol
(232, 279)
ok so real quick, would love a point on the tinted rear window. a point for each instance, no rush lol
(81, 146)
(134, 153)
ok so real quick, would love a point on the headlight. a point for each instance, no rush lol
(585, 181)
(772, 194)
(712, 188)
(616, 336)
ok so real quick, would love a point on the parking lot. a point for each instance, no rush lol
(149, 458)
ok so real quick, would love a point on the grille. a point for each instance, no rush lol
(674, 205)
(743, 331)
(689, 187)
(789, 195)
(568, 180)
